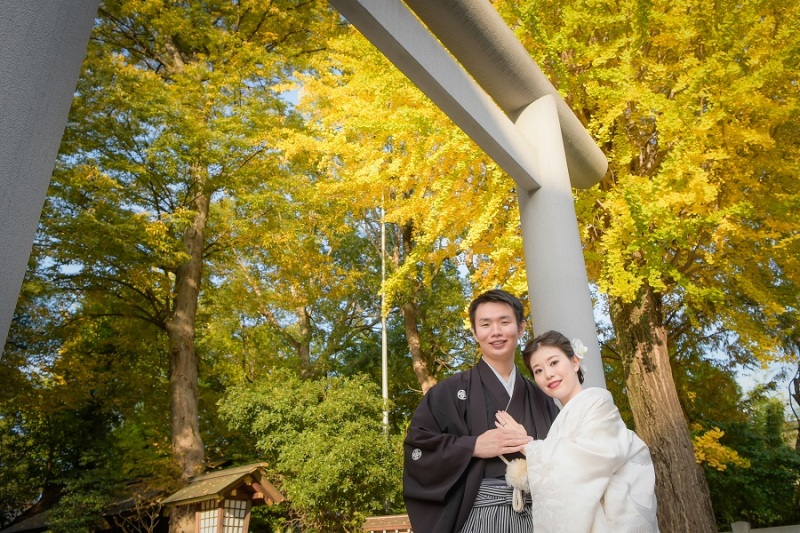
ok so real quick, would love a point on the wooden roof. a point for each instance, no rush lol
(37, 522)
(251, 479)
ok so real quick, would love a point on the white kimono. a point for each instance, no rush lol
(591, 474)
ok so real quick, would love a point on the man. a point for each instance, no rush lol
(453, 477)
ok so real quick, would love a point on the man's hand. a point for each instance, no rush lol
(495, 442)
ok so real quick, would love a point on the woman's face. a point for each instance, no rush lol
(555, 373)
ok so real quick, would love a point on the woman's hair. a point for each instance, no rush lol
(553, 339)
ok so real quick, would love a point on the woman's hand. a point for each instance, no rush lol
(505, 421)
(500, 441)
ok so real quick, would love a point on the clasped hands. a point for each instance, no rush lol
(508, 437)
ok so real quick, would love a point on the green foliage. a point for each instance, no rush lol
(308, 308)
(768, 493)
(121, 464)
(19, 482)
(325, 445)
(88, 491)
(24, 442)
(85, 416)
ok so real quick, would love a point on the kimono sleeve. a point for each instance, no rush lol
(437, 449)
(570, 470)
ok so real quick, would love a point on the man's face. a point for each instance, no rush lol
(497, 331)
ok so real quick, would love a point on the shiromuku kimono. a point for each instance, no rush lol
(440, 476)
(591, 474)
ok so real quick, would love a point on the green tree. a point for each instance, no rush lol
(325, 444)
(23, 451)
(382, 143)
(84, 420)
(177, 105)
(766, 494)
(303, 283)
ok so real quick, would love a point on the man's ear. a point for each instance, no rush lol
(521, 329)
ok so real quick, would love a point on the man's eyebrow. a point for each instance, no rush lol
(501, 317)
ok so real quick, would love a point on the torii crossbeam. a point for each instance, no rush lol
(498, 95)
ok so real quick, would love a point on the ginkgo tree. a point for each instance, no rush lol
(692, 232)
(383, 145)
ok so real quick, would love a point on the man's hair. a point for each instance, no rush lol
(553, 339)
(497, 296)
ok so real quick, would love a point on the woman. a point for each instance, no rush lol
(591, 474)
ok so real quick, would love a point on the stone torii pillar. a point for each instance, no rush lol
(42, 46)
(498, 95)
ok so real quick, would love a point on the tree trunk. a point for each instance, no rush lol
(420, 366)
(187, 445)
(181, 519)
(304, 343)
(409, 309)
(684, 501)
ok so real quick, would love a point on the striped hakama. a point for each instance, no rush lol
(492, 512)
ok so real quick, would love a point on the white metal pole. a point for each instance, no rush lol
(384, 341)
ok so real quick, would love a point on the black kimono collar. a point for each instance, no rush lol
(498, 393)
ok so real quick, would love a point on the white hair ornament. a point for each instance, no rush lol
(580, 350)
